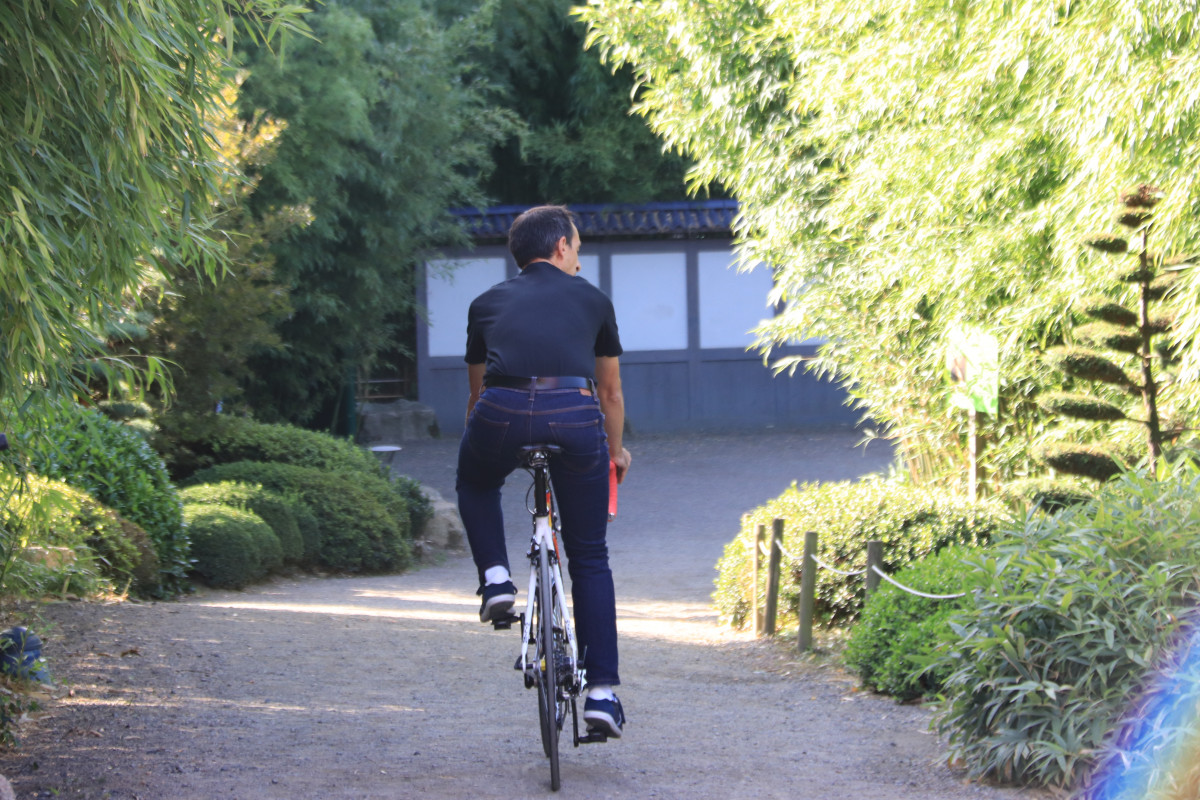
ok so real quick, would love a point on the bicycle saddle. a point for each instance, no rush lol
(530, 449)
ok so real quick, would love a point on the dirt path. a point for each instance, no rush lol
(388, 687)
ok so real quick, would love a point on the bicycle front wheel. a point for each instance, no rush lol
(548, 667)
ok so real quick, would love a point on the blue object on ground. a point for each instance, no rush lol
(21, 655)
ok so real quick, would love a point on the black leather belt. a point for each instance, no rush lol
(509, 382)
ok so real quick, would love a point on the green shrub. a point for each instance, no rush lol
(114, 465)
(911, 522)
(420, 510)
(1049, 494)
(895, 638)
(273, 509)
(194, 442)
(227, 544)
(108, 551)
(123, 410)
(1072, 612)
(310, 529)
(125, 553)
(360, 529)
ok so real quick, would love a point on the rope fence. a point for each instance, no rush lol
(772, 552)
(911, 590)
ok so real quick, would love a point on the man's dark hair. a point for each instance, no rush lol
(534, 234)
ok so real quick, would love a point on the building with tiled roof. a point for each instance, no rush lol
(686, 315)
(681, 220)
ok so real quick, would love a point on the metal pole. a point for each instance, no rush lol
(874, 559)
(973, 451)
(773, 577)
(808, 591)
(756, 565)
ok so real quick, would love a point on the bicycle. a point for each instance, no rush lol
(554, 667)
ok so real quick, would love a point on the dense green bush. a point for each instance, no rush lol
(310, 529)
(135, 416)
(1072, 612)
(912, 523)
(272, 508)
(1050, 494)
(420, 510)
(125, 550)
(227, 544)
(108, 552)
(44, 550)
(361, 529)
(114, 465)
(193, 442)
(895, 637)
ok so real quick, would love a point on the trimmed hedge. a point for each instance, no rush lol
(893, 642)
(1048, 494)
(228, 544)
(361, 529)
(192, 443)
(114, 465)
(912, 523)
(310, 530)
(273, 509)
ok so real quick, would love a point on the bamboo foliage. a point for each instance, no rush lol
(911, 166)
(107, 157)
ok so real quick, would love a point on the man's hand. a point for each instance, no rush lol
(622, 459)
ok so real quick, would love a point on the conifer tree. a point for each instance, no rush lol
(1123, 349)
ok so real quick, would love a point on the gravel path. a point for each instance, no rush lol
(388, 687)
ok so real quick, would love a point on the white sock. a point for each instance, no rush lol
(496, 575)
(601, 693)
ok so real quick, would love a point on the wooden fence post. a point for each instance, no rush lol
(808, 591)
(874, 559)
(756, 567)
(776, 556)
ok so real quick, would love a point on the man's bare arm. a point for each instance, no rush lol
(612, 403)
(475, 380)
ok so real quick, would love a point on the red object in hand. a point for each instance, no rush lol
(612, 489)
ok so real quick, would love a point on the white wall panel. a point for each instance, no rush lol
(649, 292)
(732, 303)
(450, 288)
(589, 269)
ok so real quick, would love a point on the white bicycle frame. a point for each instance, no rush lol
(543, 539)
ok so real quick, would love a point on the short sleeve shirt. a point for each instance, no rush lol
(541, 323)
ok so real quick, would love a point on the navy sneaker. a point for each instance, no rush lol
(604, 716)
(498, 599)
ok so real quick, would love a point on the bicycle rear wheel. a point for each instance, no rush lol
(548, 689)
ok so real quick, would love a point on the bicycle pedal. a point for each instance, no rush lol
(593, 737)
(505, 623)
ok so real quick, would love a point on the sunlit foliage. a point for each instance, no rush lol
(912, 166)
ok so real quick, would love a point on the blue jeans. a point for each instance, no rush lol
(505, 420)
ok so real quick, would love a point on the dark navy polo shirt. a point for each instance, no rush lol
(541, 323)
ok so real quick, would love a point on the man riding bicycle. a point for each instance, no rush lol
(542, 362)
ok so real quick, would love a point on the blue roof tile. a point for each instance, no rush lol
(650, 221)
